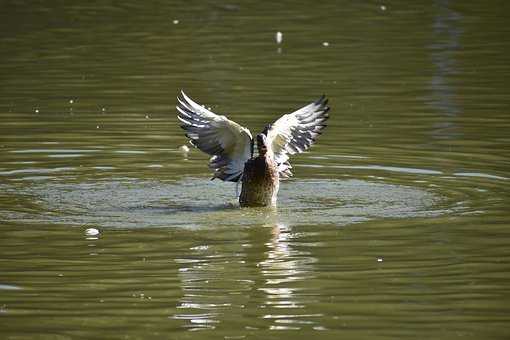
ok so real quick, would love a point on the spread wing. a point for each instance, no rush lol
(227, 142)
(296, 132)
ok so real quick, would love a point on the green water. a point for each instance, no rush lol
(395, 226)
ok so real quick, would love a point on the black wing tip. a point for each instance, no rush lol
(324, 113)
(322, 103)
(322, 100)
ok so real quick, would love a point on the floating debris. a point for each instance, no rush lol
(71, 101)
(147, 116)
(175, 22)
(383, 8)
(279, 37)
(325, 44)
(379, 260)
(36, 110)
(103, 109)
(91, 232)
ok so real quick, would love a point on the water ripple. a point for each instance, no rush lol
(198, 203)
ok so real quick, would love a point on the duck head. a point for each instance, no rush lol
(262, 144)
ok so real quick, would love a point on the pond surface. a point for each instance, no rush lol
(395, 226)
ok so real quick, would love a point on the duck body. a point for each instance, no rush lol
(260, 182)
(232, 146)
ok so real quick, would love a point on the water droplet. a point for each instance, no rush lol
(279, 37)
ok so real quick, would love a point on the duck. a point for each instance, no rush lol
(232, 146)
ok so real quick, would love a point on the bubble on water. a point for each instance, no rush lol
(279, 37)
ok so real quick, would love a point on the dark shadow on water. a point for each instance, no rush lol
(179, 208)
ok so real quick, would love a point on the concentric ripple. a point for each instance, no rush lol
(197, 203)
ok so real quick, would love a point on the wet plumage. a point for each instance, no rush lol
(232, 146)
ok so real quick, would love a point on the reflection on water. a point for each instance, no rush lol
(446, 43)
(214, 282)
(285, 271)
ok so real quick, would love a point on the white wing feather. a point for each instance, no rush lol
(227, 142)
(296, 132)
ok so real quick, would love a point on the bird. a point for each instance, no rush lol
(232, 147)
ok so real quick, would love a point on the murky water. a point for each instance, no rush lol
(395, 225)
